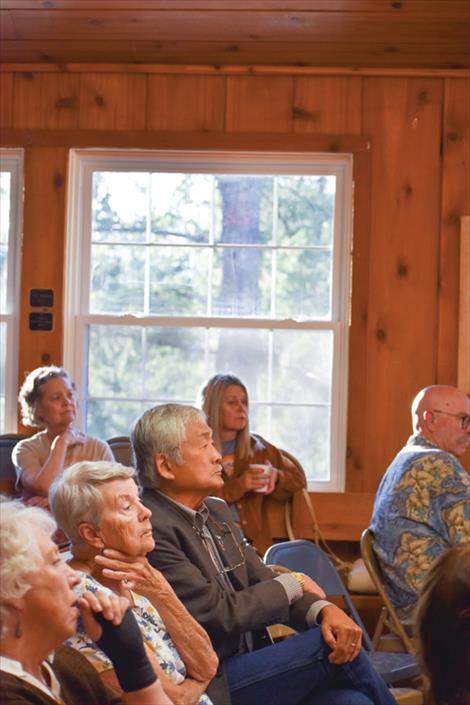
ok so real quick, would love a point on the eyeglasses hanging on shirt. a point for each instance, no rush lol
(225, 539)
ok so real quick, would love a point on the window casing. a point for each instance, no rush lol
(120, 335)
(11, 168)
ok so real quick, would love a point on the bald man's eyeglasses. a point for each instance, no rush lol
(463, 418)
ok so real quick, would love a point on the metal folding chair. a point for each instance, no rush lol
(307, 557)
(388, 619)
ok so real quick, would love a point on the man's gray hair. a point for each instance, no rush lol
(74, 496)
(20, 554)
(161, 429)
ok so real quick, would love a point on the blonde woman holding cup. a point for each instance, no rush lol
(257, 476)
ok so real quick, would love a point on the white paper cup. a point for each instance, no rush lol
(265, 475)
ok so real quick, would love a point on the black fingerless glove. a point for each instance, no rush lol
(123, 644)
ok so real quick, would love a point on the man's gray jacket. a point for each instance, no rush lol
(180, 554)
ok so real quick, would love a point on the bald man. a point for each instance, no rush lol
(422, 506)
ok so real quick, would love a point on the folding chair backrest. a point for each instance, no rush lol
(391, 618)
(306, 557)
(122, 450)
(7, 470)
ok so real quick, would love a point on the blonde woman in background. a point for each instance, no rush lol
(246, 490)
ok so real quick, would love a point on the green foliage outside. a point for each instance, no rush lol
(197, 245)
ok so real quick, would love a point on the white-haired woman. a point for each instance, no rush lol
(39, 610)
(48, 400)
(225, 403)
(98, 507)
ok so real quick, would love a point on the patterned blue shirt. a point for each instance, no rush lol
(421, 509)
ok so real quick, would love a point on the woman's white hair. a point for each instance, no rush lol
(74, 496)
(161, 430)
(20, 554)
(31, 392)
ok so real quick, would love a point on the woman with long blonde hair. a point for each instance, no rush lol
(257, 476)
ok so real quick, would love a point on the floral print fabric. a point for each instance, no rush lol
(421, 509)
(153, 631)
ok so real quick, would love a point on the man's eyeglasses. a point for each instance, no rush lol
(220, 533)
(463, 418)
(224, 530)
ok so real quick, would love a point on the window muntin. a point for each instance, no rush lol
(166, 241)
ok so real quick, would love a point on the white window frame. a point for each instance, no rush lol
(82, 164)
(11, 160)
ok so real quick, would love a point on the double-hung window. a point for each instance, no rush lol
(184, 264)
(11, 201)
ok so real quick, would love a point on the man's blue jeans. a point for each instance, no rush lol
(296, 671)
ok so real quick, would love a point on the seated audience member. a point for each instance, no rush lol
(98, 507)
(443, 627)
(225, 403)
(39, 609)
(227, 588)
(422, 505)
(48, 400)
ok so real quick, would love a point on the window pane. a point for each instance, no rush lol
(304, 432)
(119, 206)
(242, 352)
(5, 181)
(3, 276)
(107, 418)
(303, 284)
(241, 282)
(244, 208)
(3, 353)
(115, 361)
(182, 207)
(305, 209)
(158, 363)
(117, 279)
(302, 366)
(175, 363)
(178, 281)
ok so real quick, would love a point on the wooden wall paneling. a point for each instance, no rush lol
(353, 54)
(341, 516)
(42, 253)
(7, 27)
(463, 371)
(403, 117)
(6, 99)
(186, 103)
(455, 203)
(115, 101)
(259, 103)
(147, 139)
(357, 441)
(46, 100)
(463, 377)
(226, 24)
(327, 104)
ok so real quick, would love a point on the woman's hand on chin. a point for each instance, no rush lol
(112, 607)
(70, 437)
(133, 572)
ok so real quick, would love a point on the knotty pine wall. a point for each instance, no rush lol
(410, 135)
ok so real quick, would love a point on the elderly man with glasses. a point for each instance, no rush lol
(228, 589)
(422, 507)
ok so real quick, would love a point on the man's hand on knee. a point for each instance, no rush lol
(341, 634)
